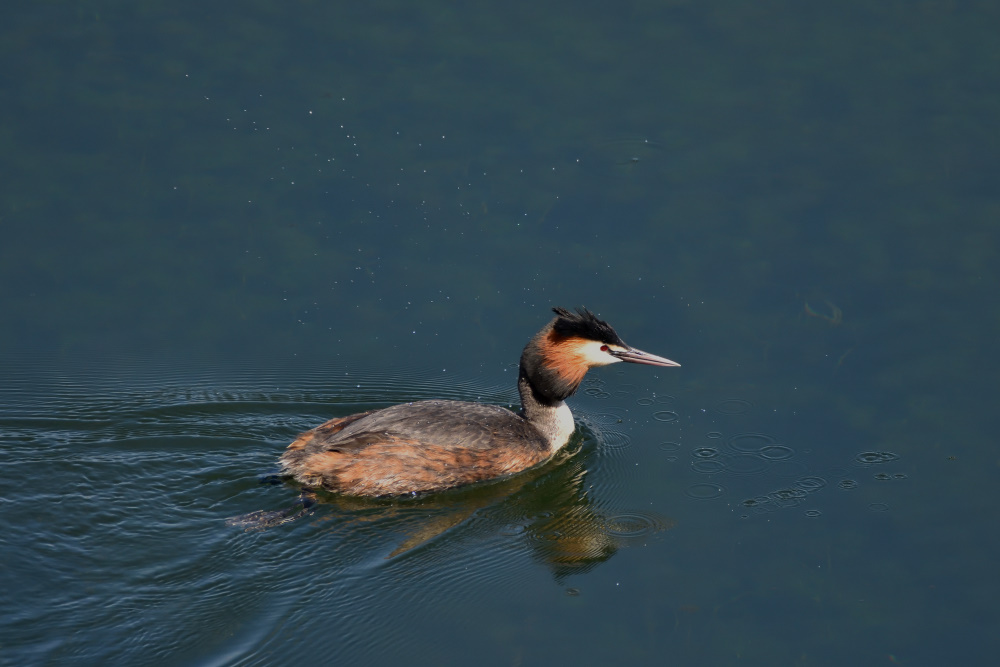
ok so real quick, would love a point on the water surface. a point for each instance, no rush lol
(223, 226)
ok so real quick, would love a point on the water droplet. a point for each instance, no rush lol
(813, 513)
(848, 484)
(705, 452)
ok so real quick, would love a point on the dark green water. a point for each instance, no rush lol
(223, 224)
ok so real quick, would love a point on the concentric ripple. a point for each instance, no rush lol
(810, 484)
(744, 454)
(633, 525)
(709, 466)
(750, 442)
(776, 452)
(669, 447)
(703, 491)
(875, 458)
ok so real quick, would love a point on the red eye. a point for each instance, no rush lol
(605, 348)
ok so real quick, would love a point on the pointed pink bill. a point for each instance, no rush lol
(639, 357)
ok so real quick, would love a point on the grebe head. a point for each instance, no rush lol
(555, 361)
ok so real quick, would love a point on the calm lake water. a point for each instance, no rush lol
(224, 224)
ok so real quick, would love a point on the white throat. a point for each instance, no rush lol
(562, 426)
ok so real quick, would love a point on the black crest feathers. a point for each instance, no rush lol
(584, 324)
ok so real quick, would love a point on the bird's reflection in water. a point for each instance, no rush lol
(550, 509)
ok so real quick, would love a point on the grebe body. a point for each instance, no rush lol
(434, 445)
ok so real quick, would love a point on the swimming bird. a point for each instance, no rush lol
(428, 446)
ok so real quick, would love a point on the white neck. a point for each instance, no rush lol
(555, 421)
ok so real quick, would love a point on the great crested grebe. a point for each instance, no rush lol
(434, 445)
